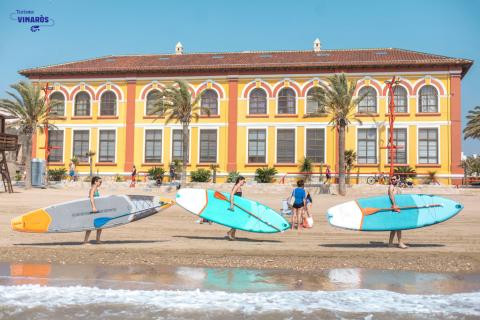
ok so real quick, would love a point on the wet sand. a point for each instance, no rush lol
(173, 238)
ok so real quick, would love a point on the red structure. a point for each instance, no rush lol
(391, 86)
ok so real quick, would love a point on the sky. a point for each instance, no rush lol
(86, 29)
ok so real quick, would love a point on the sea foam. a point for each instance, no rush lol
(24, 297)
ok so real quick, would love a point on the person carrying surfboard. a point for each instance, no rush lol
(95, 184)
(392, 191)
(299, 204)
(236, 191)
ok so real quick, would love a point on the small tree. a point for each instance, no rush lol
(214, 168)
(350, 158)
(306, 165)
(90, 154)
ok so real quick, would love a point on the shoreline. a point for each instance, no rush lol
(380, 260)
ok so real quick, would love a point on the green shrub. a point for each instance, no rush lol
(156, 173)
(119, 178)
(405, 172)
(265, 175)
(57, 174)
(232, 176)
(200, 175)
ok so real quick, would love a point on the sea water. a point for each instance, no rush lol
(45, 291)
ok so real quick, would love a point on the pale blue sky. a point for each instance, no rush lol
(85, 29)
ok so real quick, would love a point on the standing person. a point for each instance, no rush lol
(134, 175)
(95, 184)
(71, 171)
(299, 204)
(392, 191)
(236, 191)
(328, 175)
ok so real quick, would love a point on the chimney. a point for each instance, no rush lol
(316, 45)
(179, 48)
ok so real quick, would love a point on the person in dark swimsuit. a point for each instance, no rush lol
(236, 191)
(96, 183)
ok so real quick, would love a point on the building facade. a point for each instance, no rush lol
(259, 111)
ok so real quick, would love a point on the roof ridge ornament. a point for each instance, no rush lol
(179, 48)
(317, 45)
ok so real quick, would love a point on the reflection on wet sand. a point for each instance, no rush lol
(234, 279)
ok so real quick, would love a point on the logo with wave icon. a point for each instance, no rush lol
(34, 21)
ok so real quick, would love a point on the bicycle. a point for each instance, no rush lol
(377, 178)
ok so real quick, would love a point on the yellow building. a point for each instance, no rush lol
(259, 104)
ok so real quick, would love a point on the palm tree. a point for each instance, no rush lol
(178, 105)
(337, 98)
(29, 107)
(472, 130)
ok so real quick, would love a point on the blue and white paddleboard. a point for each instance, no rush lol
(374, 213)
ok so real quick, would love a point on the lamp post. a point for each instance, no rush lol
(46, 146)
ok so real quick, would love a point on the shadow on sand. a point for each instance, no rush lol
(378, 244)
(78, 243)
(224, 238)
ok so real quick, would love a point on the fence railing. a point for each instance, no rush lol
(8, 142)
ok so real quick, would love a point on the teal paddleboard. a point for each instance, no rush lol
(375, 214)
(247, 215)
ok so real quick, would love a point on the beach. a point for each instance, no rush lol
(173, 238)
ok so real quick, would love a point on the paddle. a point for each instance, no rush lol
(220, 196)
(100, 222)
(369, 211)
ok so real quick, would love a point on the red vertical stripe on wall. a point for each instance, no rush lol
(456, 126)
(130, 126)
(232, 124)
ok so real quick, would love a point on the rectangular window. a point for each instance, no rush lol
(55, 140)
(399, 140)
(316, 145)
(81, 144)
(153, 146)
(208, 146)
(428, 145)
(177, 145)
(257, 145)
(285, 145)
(367, 146)
(107, 146)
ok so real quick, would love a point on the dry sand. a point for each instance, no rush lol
(173, 238)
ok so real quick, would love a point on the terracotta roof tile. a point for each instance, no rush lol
(237, 61)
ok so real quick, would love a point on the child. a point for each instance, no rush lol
(95, 184)
(300, 202)
(236, 191)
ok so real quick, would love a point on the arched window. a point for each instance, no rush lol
(400, 98)
(286, 101)
(257, 102)
(369, 101)
(82, 104)
(209, 101)
(312, 104)
(428, 99)
(108, 104)
(152, 103)
(57, 104)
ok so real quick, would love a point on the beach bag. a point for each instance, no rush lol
(308, 222)
(291, 200)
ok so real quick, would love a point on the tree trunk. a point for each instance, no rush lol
(341, 161)
(185, 148)
(28, 161)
